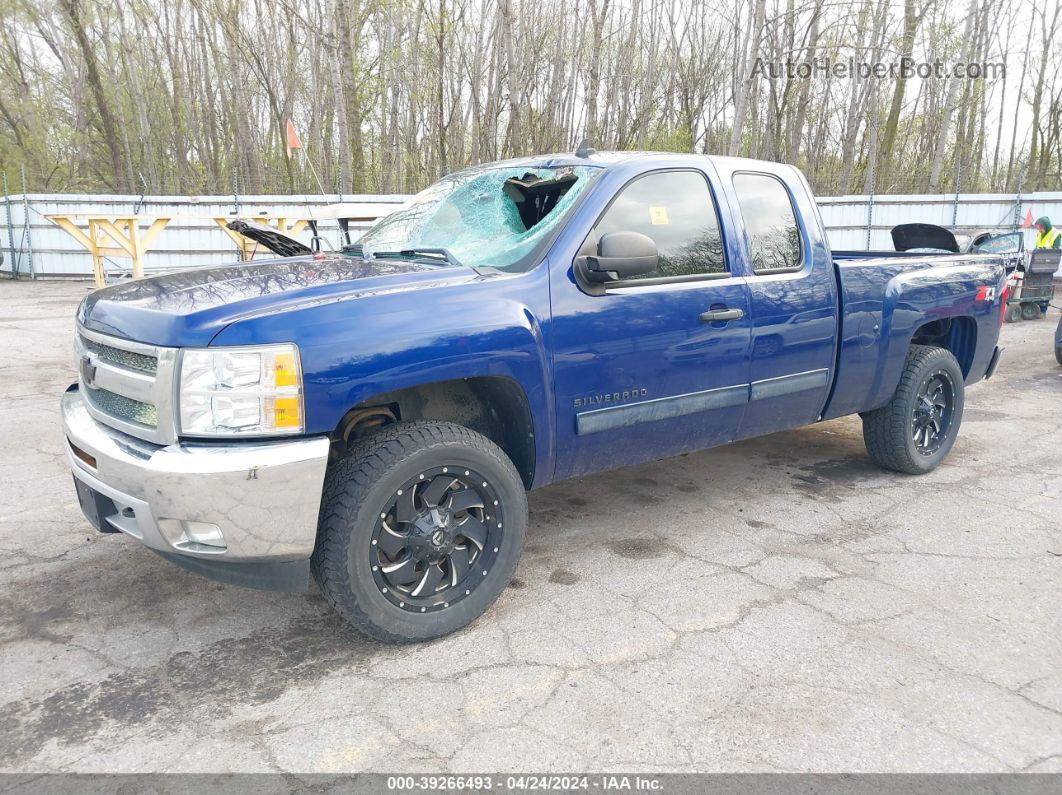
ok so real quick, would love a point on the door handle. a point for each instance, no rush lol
(716, 315)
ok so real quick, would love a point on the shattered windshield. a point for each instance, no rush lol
(487, 217)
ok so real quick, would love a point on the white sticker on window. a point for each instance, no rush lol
(658, 216)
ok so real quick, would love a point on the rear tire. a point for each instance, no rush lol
(395, 556)
(917, 428)
(1031, 311)
(1058, 353)
(1013, 313)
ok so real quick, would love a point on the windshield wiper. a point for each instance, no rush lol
(423, 253)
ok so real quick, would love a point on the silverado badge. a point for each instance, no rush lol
(609, 397)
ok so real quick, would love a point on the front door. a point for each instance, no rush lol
(656, 365)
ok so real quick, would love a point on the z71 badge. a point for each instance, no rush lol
(609, 397)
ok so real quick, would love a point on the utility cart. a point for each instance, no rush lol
(1030, 292)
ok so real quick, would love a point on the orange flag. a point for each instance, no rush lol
(293, 137)
(1028, 220)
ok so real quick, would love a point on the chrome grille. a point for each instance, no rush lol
(124, 408)
(127, 359)
(128, 385)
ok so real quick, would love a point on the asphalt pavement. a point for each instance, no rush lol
(774, 605)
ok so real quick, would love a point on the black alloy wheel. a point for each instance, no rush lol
(421, 527)
(933, 411)
(437, 539)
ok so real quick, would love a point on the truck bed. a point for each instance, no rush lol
(889, 298)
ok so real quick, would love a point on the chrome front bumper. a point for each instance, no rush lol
(264, 497)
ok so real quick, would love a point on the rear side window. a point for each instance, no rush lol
(676, 210)
(770, 223)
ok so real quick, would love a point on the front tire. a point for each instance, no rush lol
(421, 528)
(917, 428)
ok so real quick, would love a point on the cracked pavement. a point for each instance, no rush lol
(775, 605)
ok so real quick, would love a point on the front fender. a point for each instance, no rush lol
(355, 349)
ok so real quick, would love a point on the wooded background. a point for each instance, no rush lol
(192, 96)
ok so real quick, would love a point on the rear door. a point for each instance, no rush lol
(639, 373)
(793, 297)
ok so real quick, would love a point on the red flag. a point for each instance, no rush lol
(293, 137)
(1028, 220)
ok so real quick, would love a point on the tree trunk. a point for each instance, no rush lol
(943, 134)
(744, 86)
(109, 126)
(339, 21)
(911, 21)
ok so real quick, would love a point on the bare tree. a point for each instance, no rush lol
(193, 96)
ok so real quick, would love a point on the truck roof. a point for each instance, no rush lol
(611, 158)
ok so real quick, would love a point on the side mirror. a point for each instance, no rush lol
(620, 255)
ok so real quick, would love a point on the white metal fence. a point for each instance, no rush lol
(33, 246)
(863, 222)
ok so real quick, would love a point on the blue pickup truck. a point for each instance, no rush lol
(373, 417)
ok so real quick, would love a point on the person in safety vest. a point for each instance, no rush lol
(1046, 235)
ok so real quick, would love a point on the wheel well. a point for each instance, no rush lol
(956, 334)
(493, 406)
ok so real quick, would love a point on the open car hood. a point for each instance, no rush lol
(277, 242)
(911, 236)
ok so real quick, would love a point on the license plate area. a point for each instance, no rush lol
(96, 507)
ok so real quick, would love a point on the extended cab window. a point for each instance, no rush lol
(676, 210)
(770, 223)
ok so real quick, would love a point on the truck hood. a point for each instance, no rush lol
(907, 237)
(189, 308)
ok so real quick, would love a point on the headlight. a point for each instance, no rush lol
(251, 391)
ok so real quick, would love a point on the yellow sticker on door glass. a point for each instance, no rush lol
(658, 216)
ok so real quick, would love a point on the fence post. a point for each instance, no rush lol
(955, 202)
(235, 192)
(1019, 198)
(27, 236)
(236, 208)
(870, 202)
(10, 229)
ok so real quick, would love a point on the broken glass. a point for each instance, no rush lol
(487, 217)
